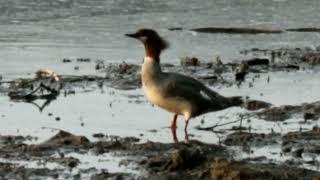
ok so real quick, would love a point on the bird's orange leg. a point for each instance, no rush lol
(174, 128)
(174, 122)
(186, 136)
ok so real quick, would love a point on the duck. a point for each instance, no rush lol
(177, 93)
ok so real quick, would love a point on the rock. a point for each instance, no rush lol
(66, 60)
(257, 61)
(187, 61)
(313, 134)
(224, 169)
(251, 139)
(184, 159)
(309, 116)
(98, 135)
(312, 58)
(302, 142)
(106, 175)
(66, 138)
(285, 112)
(124, 68)
(99, 65)
(253, 105)
(83, 59)
(276, 114)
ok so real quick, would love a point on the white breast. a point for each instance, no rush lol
(151, 80)
(174, 105)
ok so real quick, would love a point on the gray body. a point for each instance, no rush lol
(180, 94)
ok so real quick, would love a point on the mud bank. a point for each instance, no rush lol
(154, 160)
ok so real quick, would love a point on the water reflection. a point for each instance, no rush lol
(25, 91)
(47, 100)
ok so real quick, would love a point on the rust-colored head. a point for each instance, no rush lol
(153, 43)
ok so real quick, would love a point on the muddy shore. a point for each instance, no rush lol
(194, 159)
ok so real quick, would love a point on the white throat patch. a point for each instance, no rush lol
(148, 58)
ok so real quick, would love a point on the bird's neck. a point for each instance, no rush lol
(152, 52)
(150, 71)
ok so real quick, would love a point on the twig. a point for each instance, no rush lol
(241, 118)
(211, 128)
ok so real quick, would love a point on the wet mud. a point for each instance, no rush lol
(193, 159)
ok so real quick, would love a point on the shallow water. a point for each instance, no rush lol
(38, 34)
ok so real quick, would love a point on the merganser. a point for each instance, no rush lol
(176, 93)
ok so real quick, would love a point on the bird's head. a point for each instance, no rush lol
(153, 43)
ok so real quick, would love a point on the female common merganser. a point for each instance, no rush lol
(174, 92)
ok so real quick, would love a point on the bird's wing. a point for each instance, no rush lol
(180, 86)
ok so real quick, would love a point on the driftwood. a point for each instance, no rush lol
(237, 30)
(311, 29)
(175, 29)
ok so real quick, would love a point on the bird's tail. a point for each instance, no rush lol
(236, 101)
